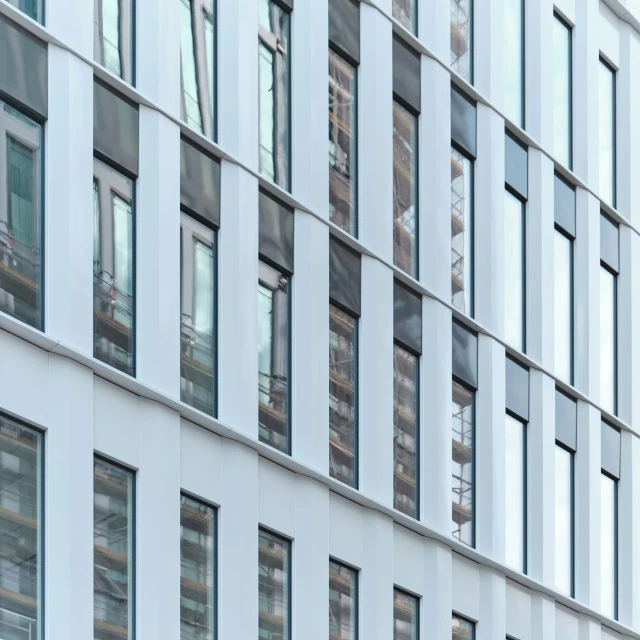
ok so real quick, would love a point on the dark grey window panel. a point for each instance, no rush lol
(463, 122)
(517, 389)
(564, 205)
(276, 232)
(199, 183)
(516, 166)
(285, 4)
(344, 277)
(609, 245)
(406, 74)
(566, 420)
(23, 68)
(407, 317)
(610, 452)
(465, 355)
(344, 27)
(115, 128)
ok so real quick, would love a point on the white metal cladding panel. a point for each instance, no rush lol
(466, 587)
(566, 624)
(518, 612)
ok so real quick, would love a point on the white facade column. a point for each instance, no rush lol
(238, 300)
(543, 616)
(488, 55)
(493, 605)
(589, 629)
(68, 241)
(434, 28)
(310, 343)
(71, 22)
(435, 621)
(157, 216)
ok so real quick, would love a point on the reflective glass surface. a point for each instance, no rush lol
(563, 306)
(342, 143)
(607, 132)
(405, 431)
(33, 8)
(462, 38)
(564, 521)
(461, 232)
(197, 60)
(273, 357)
(514, 271)
(463, 473)
(562, 92)
(113, 267)
(514, 61)
(274, 92)
(274, 588)
(343, 332)
(197, 570)
(20, 217)
(114, 24)
(197, 315)
(461, 629)
(112, 552)
(608, 546)
(515, 470)
(607, 340)
(405, 190)
(343, 602)
(405, 12)
(20, 531)
(405, 616)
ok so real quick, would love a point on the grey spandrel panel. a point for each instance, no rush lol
(407, 317)
(610, 450)
(609, 243)
(344, 276)
(463, 122)
(566, 420)
(516, 164)
(517, 389)
(406, 74)
(465, 355)
(199, 183)
(564, 205)
(344, 27)
(276, 232)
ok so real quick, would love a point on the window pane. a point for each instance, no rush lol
(112, 551)
(608, 545)
(33, 8)
(274, 89)
(562, 92)
(405, 192)
(197, 570)
(405, 12)
(405, 616)
(514, 61)
(343, 603)
(563, 307)
(514, 271)
(461, 629)
(405, 430)
(564, 521)
(273, 587)
(342, 143)
(463, 462)
(342, 396)
(607, 340)
(273, 357)
(113, 37)
(21, 217)
(461, 231)
(20, 531)
(462, 38)
(515, 470)
(606, 132)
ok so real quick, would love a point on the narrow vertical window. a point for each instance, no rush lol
(461, 59)
(563, 306)
(406, 610)
(21, 527)
(406, 13)
(274, 587)
(562, 92)
(274, 87)
(462, 629)
(514, 61)
(564, 519)
(197, 570)
(461, 231)
(343, 602)
(608, 347)
(607, 131)
(514, 271)
(33, 8)
(609, 545)
(463, 473)
(114, 24)
(515, 486)
(113, 544)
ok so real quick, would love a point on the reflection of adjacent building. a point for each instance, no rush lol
(113, 36)
(460, 10)
(273, 564)
(405, 616)
(462, 456)
(342, 602)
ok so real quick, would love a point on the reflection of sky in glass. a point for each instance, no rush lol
(189, 76)
(607, 546)
(513, 271)
(607, 340)
(563, 516)
(561, 92)
(513, 61)
(606, 132)
(562, 306)
(514, 499)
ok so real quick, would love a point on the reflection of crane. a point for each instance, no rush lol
(460, 36)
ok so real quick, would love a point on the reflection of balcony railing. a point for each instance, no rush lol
(19, 269)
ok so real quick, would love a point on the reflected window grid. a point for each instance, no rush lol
(607, 131)
(608, 340)
(113, 40)
(343, 602)
(461, 232)
(461, 59)
(462, 629)
(514, 271)
(274, 587)
(516, 493)
(609, 546)
(564, 520)
(463, 464)
(406, 13)
(563, 306)
(562, 91)
(406, 609)
(514, 47)
(33, 8)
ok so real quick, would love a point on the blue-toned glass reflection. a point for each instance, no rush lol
(562, 92)
(607, 340)
(563, 306)
(608, 546)
(114, 24)
(515, 470)
(514, 61)
(607, 132)
(514, 270)
(564, 520)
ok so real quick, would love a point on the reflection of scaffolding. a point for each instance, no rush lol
(458, 226)
(341, 603)
(462, 455)
(460, 36)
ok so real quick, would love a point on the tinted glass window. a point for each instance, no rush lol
(515, 473)
(608, 340)
(405, 12)
(608, 546)
(463, 474)
(114, 24)
(562, 92)
(514, 271)
(461, 232)
(462, 38)
(563, 306)
(514, 61)
(33, 8)
(564, 521)
(274, 588)
(607, 132)
(405, 616)
(461, 629)
(343, 602)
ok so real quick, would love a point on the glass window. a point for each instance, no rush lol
(113, 527)
(515, 498)
(343, 395)
(607, 131)
(463, 472)
(343, 602)
(21, 217)
(609, 545)
(514, 61)
(274, 89)
(461, 232)
(342, 143)
(197, 61)
(20, 531)
(462, 38)
(274, 587)
(405, 431)
(462, 629)
(405, 190)
(33, 8)
(406, 13)
(197, 315)
(562, 143)
(405, 616)
(563, 306)
(564, 521)
(608, 347)
(114, 23)
(514, 270)
(113, 268)
(273, 357)
(197, 570)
